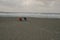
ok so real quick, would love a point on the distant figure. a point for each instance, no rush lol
(25, 18)
(20, 19)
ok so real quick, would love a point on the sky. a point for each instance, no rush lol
(48, 6)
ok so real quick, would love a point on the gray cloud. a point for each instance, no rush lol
(7, 2)
(29, 5)
(24, 2)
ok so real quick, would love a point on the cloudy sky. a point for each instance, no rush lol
(30, 5)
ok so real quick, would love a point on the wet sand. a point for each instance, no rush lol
(33, 29)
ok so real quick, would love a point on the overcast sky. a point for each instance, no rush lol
(30, 5)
